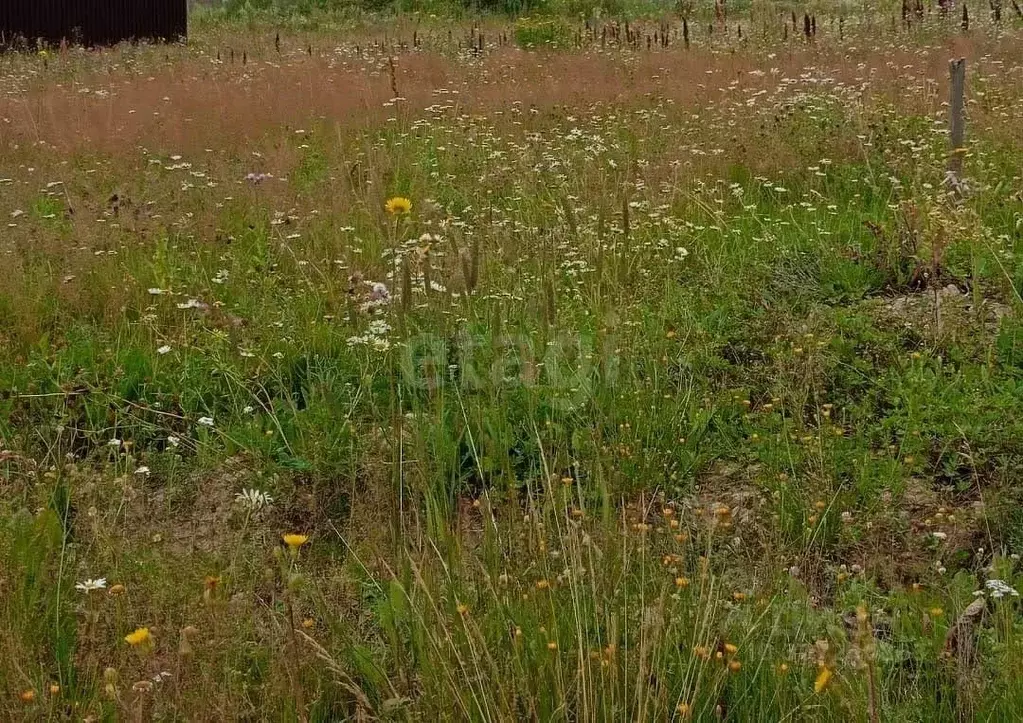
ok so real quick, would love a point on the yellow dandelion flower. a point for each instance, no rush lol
(681, 582)
(295, 541)
(141, 636)
(735, 666)
(552, 646)
(823, 678)
(398, 205)
(936, 612)
(54, 689)
(462, 609)
(27, 696)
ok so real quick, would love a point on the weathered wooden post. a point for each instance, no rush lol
(956, 123)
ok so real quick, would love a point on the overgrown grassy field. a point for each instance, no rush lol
(530, 370)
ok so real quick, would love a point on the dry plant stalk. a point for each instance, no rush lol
(393, 72)
(868, 652)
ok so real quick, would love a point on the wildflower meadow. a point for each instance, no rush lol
(516, 362)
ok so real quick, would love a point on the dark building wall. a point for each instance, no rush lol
(92, 22)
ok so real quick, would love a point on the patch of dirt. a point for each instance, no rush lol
(203, 523)
(925, 528)
(725, 498)
(944, 314)
(948, 520)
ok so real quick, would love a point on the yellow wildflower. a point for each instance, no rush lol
(823, 678)
(141, 636)
(295, 541)
(27, 696)
(398, 205)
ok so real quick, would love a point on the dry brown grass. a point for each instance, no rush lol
(194, 103)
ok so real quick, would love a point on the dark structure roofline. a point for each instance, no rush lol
(91, 22)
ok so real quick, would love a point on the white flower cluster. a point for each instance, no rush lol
(379, 295)
(999, 589)
(90, 585)
(374, 336)
(253, 499)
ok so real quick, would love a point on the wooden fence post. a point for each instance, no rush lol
(956, 121)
